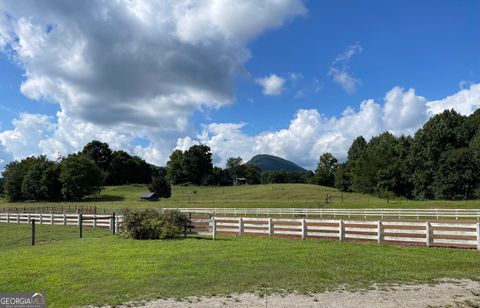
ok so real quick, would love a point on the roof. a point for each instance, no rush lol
(148, 195)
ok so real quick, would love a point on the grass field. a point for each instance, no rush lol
(273, 195)
(102, 268)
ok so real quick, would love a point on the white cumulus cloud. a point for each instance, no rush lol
(271, 85)
(122, 70)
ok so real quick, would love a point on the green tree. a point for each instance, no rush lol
(234, 166)
(99, 152)
(441, 133)
(326, 168)
(80, 176)
(13, 176)
(176, 167)
(343, 178)
(161, 187)
(457, 175)
(41, 182)
(127, 169)
(198, 163)
(253, 174)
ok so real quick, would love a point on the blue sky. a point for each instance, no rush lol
(288, 78)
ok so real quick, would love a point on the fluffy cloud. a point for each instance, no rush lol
(24, 139)
(272, 85)
(310, 133)
(122, 70)
(465, 101)
(339, 69)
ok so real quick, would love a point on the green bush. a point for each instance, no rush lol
(151, 225)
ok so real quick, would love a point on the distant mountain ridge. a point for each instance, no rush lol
(269, 162)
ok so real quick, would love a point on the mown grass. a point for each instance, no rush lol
(111, 270)
(273, 195)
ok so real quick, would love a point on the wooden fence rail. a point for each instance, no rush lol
(429, 233)
(459, 235)
(384, 213)
(61, 219)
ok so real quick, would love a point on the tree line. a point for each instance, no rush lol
(75, 176)
(441, 161)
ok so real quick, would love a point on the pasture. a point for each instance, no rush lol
(246, 196)
(106, 269)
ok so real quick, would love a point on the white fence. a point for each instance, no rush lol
(385, 213)
(61, 219)
(460, 235)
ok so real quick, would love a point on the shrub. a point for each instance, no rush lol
(151, 225)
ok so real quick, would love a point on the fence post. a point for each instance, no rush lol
(270, 229)
(80, 223)
(478, 236)
(240, 226)
(28, 218)
(64, 219)
(18, 218)
(214, 228)
(51, 219)
(379, 231)
(428, 233)
(33, 232)
(112, 222)
(340, 230)
(303, 229)
(41, 218)
(94, 221)
(8, 217)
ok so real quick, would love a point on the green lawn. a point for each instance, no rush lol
(102, 268)
(273, 195)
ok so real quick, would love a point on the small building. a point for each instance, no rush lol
(240, 181)
(149, 196)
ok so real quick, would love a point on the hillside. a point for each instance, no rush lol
(269, 162)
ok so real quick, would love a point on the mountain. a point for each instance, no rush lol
(269, 162)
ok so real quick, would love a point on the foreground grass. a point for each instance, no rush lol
(99, 270)
(272, 195)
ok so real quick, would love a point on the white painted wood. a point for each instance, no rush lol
(288, 232)
(403, 239)
(255, 231)
(401, 231)
(322, 228)
(296, 227)
(379, 232)
(359, 229)
(448, 232)
(270, 227)
(428, 234)
(360, 236)
(478, 236)
(452, 225)
(451, 241)
(214, 228)
(323, 234)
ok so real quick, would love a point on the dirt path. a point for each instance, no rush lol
(451, 293)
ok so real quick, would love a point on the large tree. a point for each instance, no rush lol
(80, 176)
(326, 168)
(198, 163)
(442, 133)
(99, 152)
(176, 168)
